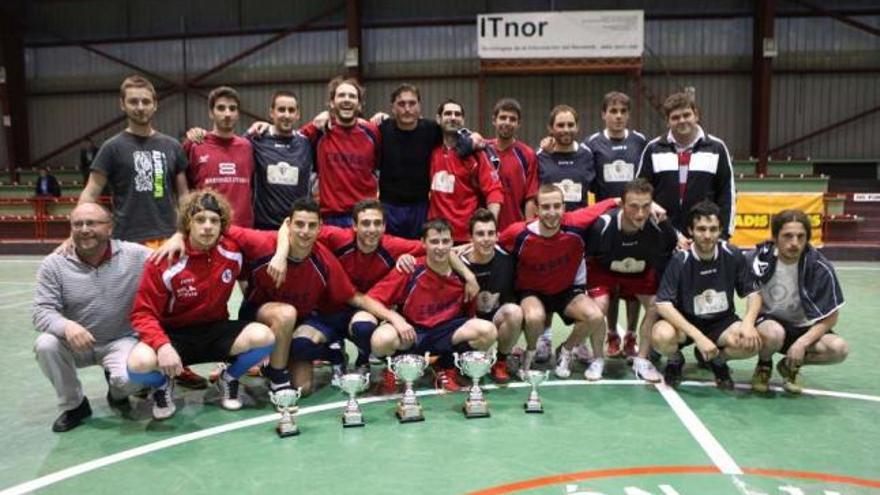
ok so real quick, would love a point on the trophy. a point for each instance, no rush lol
(285, 401)
(475, 364)
(352, 384)
(408, 367)
(534, 378)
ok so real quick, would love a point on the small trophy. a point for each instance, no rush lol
(534, 378)
(285, 401)
(408, 367)
(352, 384)
(475, 364)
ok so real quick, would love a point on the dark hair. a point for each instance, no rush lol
(339, 81)
(367, 204)
(560, 109)
(481, 215)
(639, 185)
(446, 102)
(404, 88)
(222, 92)
(703, 209)
(678, 101)
(550, 188)
(136, 81)
(787, 216)
(507, 105)
(438, 224)
(615, 97)
(283, 92)
(305, 204)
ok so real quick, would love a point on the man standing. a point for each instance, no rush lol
(801, 301)
(47, 185)
(551, 277)
(347, 152)
(696, 301)
(570, 165)
(146, 171)
(221, 160)
(687, 165)
(616, 152)
(626, 254)
(515, 163)
(81, 310)
(459, 184)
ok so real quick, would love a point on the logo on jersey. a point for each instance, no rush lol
(443, 181)
(226, 276)
(618, 171)
(282, 174)
(226, 168)
(572, 192)
(204, 158)
(628, 265)
(487, 302)
(710, 302)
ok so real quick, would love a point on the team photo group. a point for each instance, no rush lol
(421, 247)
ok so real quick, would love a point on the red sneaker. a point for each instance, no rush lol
(629, 345)
(499, 372)
(447, 379)
(613, 348)
(190, 379)
(389, 383)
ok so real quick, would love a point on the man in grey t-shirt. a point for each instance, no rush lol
(81, 308)
(145, 169)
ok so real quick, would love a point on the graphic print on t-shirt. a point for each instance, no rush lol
(149, 167)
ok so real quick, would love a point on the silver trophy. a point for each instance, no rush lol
(475, 364)
(534, 378)
(285, 401)
(352, 384)
(408, 367)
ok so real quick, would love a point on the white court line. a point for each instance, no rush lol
(80, 469)
(15, 305)
(18, 283)
(698, 430)
(35, 260)
(28, 291)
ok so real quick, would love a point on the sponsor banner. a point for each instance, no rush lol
(754, 211)
(569, 34)
(866, 197)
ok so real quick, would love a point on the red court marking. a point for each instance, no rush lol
(558, 479)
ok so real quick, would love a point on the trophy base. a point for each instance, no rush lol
(409, 415)
(352, 421)
(287, 431)
(531, 408)
(472, 411)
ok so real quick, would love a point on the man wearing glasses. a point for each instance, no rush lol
(81, 306)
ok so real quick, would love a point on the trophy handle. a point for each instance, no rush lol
(366, 380)
(493, 356)
(427, 358)
(390, 364)
(455, 355)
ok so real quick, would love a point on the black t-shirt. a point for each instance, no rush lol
(703, 290)
(616, 161)
(630, 254)
(573, 172)
(496, 283)
(405, 161)
(283, 167)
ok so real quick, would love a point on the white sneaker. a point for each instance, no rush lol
(582, 353)
(645, 370)
(544, 350)
(163, 401)
(595, 370)
(228, 388)
(563, 362)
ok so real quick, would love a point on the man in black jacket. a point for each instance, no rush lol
(688, 165)
(801, 301)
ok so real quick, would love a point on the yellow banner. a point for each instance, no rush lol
(754, 210)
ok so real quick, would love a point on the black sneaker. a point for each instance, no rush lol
(72, 418)
(674, 368)
(118, 404)
(722, 374)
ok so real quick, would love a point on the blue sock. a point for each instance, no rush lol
(154, 379)
(303, 349)
(361, 332)
(242, 362)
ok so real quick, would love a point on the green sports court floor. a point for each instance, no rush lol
(615, 437)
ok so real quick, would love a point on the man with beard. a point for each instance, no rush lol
(221, 160)
(570, 165)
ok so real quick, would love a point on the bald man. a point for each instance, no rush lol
(81, 307)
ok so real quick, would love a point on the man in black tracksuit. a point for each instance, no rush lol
(687, 165)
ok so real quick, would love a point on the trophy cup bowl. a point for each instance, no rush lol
(475, 364)
(408, 367)
(285, 400)
(352, 384)
(534, 378)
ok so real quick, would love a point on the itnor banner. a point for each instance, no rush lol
(570, 34)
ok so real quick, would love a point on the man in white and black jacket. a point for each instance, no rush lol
(687, 165)
(801, 299)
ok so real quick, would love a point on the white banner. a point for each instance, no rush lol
(571, 34)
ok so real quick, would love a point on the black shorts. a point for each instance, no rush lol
(712, 329)
(792, 332)
(556, 303)
(206, 343)
(437, 339)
